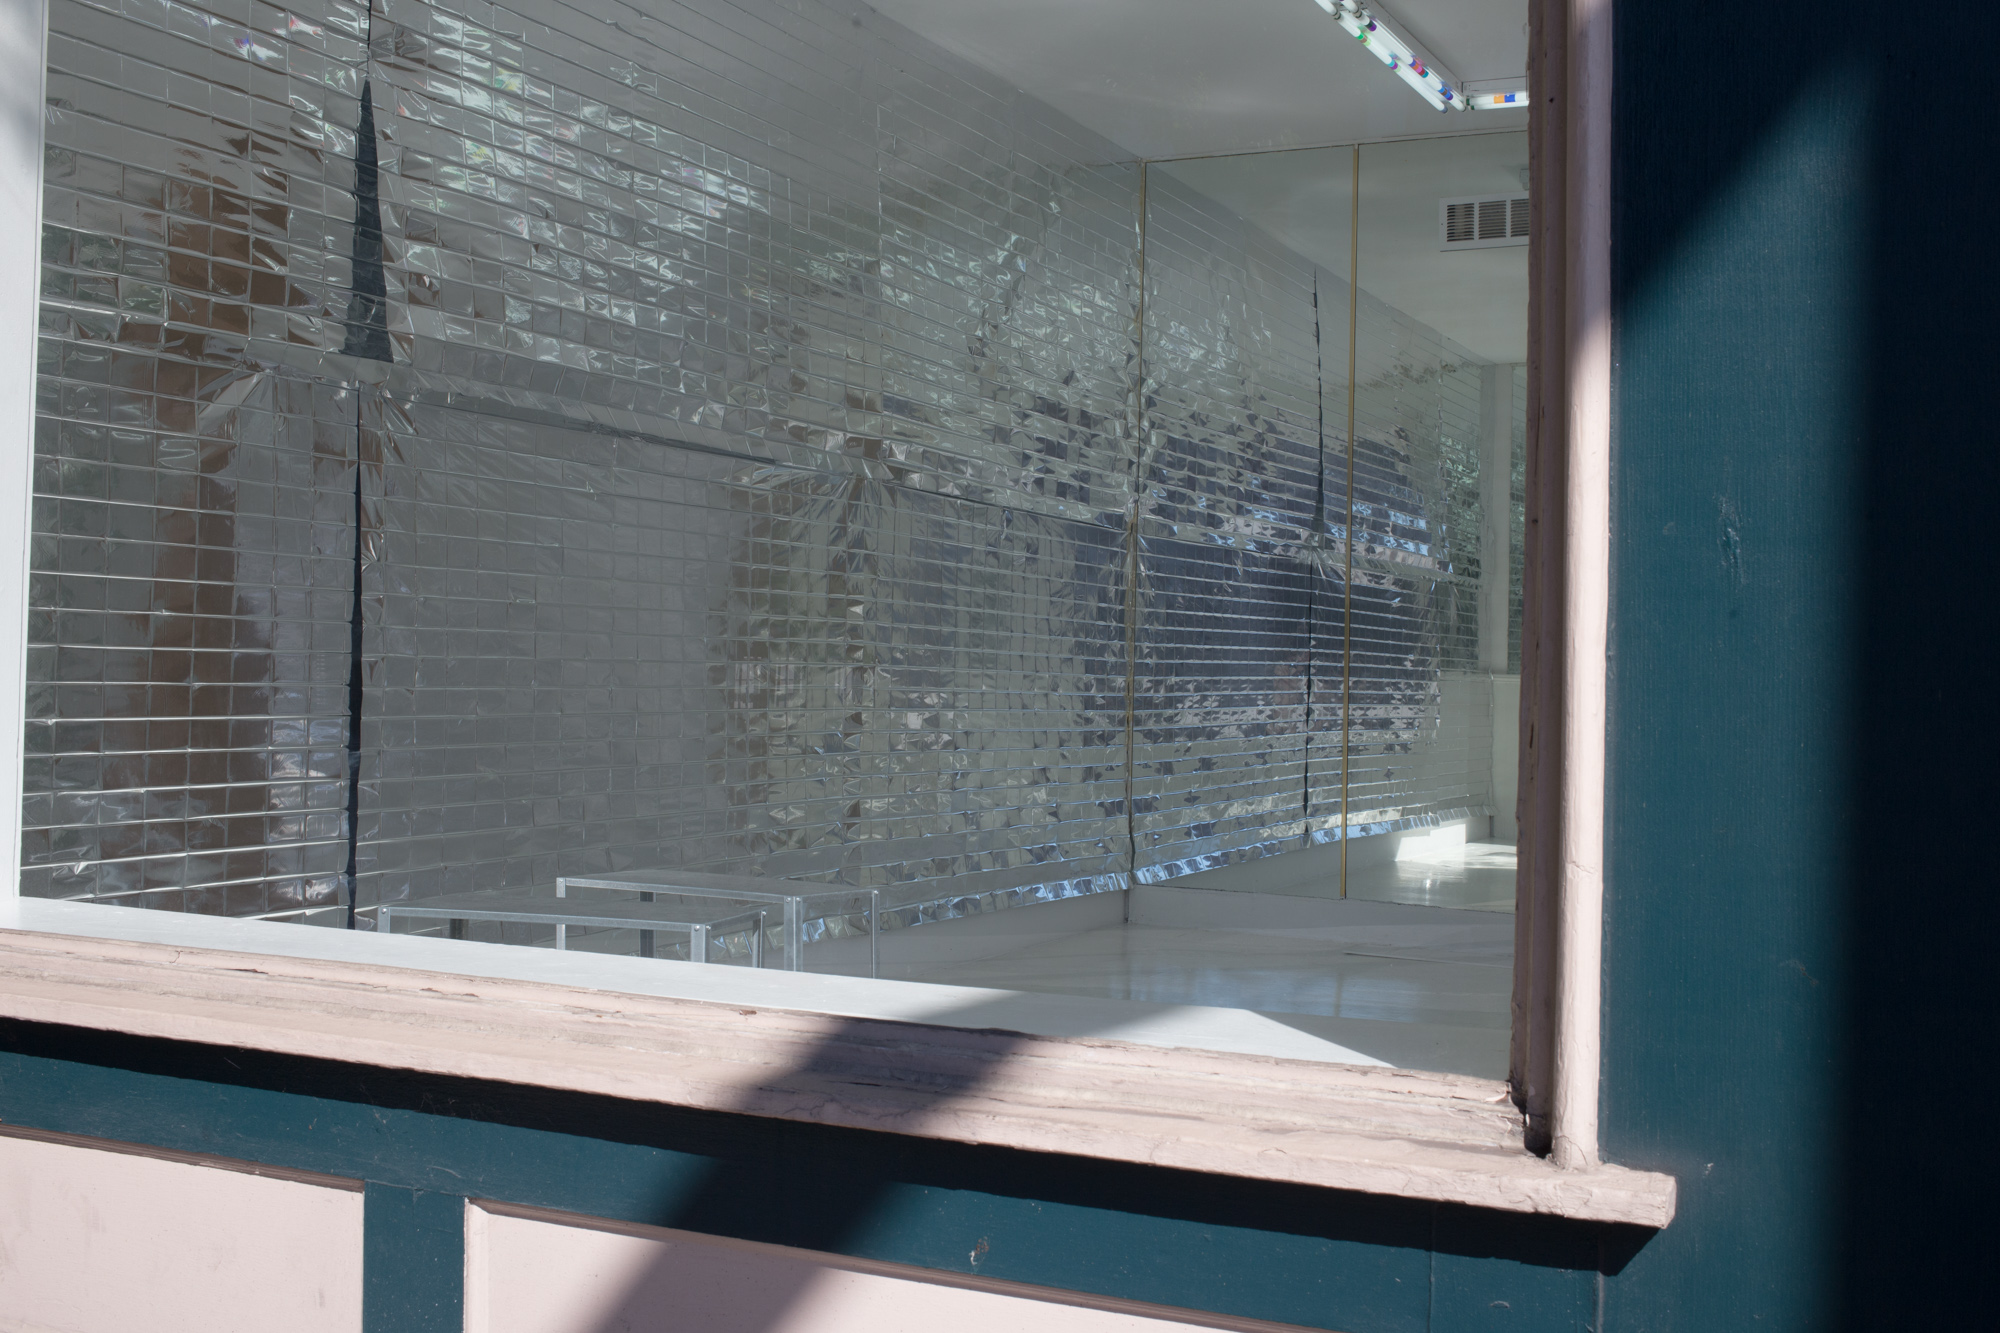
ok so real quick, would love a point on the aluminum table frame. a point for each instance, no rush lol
(456, 909)
(741, 888)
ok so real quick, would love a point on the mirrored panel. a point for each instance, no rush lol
(1439, 444)
(1363, 886)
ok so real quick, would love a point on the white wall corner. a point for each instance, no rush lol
(23, 47)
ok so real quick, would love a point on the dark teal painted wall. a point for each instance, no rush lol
(1801, 925)
(1800, 920)
(412, 1260)
(1309, 1257)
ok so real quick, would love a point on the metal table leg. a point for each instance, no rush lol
(874, 932)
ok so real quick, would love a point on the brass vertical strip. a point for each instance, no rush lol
(1315, 572)
(1347, 577)
(1132, 547)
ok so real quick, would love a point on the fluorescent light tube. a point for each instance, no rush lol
(1357, 26)
(1498, 101)
(1394, 52)
(1428, 85)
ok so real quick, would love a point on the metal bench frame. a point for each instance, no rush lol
(456, 913)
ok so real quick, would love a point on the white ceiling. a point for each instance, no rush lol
(1478, 298)
(1176, 78)
(1182, 78)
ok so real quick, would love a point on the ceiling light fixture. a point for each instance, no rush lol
(1433, 84)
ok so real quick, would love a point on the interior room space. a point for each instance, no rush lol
(919, 510)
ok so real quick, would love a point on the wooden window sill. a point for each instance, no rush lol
(1378, 1130)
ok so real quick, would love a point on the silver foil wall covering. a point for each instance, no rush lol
(194, 521)
(1418, 746)
(741, 436)
(1230, 515)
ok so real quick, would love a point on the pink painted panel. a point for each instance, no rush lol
(535, 1274)
(93, 1241)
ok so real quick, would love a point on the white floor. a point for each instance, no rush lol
(1438, 867)
(1414, 968)
(1277, 968)
(1474, 876)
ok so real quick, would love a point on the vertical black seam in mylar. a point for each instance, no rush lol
(367, 339)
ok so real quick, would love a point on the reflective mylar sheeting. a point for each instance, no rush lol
(1008, 286)
(1517, 531)
(192, 556)
(1232, 447)
(753, 487)
(1421, 736)
(680, 222)
(1229, 511)
(589, 653)
(577, 221)
(1324, 775)
(926, 294)
(190, 636)
(1219, 712)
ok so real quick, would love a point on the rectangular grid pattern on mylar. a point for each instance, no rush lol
(1227, 519)
(192, 550)
(752, 486)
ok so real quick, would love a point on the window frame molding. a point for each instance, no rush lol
(1397, 1132)
(1559, 925)
(24, 36)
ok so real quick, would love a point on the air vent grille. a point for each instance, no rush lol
(1478, 223)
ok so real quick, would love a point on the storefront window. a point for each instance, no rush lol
(502, 477)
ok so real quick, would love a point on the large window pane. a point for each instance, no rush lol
(776, 496)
